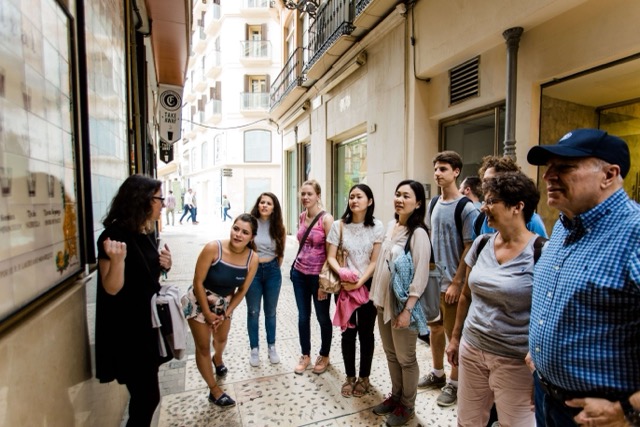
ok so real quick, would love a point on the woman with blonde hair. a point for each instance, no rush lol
(313, 228)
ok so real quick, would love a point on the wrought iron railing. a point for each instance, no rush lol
(247, 4)
(334, 19)
(213, 108)
(290, 76)
(361, 5)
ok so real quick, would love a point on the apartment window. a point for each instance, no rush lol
(204, 155)
(257, 146)
(219, 149)
(475, 136)
(253, 187)
(350, 168)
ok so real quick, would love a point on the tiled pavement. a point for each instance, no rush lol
(272, 395)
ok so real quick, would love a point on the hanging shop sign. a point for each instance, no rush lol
(170, 112)
(166, 151)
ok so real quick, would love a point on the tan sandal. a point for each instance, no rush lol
(361, 387)
(347, 387)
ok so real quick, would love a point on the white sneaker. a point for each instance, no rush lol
(273, 355)
(254, 359)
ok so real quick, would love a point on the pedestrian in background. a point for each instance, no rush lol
(226, 205)
(270, 242)
(194, 208)
(129, 267)
(170, 206)
(224, 271)
(186, 206)
(361, 236)
(313, 227)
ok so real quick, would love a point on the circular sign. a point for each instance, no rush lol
(170, 99)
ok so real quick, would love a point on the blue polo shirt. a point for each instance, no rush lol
(584, 333)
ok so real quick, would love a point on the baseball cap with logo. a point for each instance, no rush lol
(585, 143)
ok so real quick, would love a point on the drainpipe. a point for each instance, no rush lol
(512, 37)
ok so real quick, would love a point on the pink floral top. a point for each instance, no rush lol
(313, 253)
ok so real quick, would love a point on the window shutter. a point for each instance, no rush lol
(268, 85)
(246, 31)
(246, 83)
(264, 29)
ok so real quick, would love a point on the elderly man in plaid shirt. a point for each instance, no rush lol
(584, 336)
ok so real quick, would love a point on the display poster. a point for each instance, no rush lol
(39, 242)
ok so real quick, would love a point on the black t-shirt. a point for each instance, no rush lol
(125, 341)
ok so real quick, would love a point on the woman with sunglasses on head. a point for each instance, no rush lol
(270, 242)
(224, 271)
(129, 267)
(399, 327)
(361, 236)
(490, 336)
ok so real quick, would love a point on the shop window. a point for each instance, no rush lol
(475, 136)
(350, 168)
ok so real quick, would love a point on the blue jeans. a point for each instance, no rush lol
(551, 412)
(305, 287)
(226, 215)
(186, 210)
(266, 285)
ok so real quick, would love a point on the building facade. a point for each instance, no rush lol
(229, 146)
(371, 90)
(79, 81)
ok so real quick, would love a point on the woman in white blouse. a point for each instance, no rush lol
(362, 236)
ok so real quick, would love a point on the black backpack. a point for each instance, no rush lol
(462, 202)
(477, 224)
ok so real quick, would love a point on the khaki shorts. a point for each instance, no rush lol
(447, 315)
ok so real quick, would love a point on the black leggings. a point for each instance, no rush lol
(145, 396)
(364, 317)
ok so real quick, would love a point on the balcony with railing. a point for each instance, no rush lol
(255, 52)
(254, 102)
(368, 13)
(213, 111)
(212, 19)
(200, 80)
(329, 36)
(213, 63)
(199, 39)
(287, 86)
(258, 7)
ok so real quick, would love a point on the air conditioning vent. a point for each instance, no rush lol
(464, 81)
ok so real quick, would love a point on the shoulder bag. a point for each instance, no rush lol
(304, 239)
(329, 279)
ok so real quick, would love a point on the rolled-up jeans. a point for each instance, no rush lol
(265, 287)
(305, 287)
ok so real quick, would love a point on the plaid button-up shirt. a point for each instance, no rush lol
(585, 316)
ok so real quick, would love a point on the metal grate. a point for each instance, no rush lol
(464, 81)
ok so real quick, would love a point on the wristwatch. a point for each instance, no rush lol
(630, 413)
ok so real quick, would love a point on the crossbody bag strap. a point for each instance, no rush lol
(306, 234)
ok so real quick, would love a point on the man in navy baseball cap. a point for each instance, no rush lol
(585, 143)
(586, 287)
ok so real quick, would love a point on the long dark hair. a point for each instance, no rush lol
(245, 217)
(416, 219)
(132, 205)
(347, 216)
(276, 224)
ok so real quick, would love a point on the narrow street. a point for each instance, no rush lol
(272, 395)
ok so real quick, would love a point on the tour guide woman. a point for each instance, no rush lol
(129, 267)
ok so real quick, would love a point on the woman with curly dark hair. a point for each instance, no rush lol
(270, 242)
(129, 267)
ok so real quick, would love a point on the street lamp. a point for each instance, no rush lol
(304, 6)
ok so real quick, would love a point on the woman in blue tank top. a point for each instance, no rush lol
(224, 272)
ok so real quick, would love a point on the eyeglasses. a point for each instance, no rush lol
(491, 201)
(159, 198)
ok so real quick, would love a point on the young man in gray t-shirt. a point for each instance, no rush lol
(448, 252)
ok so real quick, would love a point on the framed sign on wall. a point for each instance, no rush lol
(39, 233)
